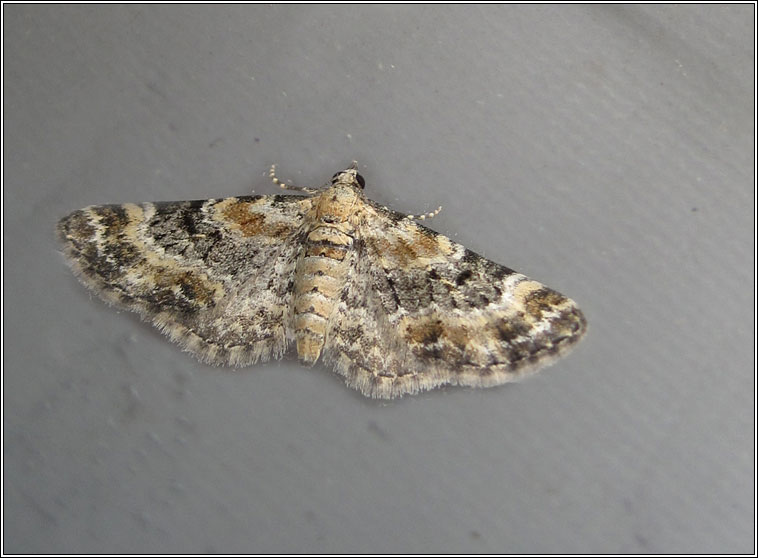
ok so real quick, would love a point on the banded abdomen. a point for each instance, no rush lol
(319, 280)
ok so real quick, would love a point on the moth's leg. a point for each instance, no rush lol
(283, 186)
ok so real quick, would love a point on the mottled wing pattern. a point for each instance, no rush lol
(214, 275)
(420, 311)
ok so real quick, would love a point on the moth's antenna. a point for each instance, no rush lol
(283, 186)
(426, 215)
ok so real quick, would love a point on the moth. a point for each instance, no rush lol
(394, 307)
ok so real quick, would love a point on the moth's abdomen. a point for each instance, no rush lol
(319, 280)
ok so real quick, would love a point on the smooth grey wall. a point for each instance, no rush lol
(607, 151)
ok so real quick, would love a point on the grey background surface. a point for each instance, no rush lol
(605, 151)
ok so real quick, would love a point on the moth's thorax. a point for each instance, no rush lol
(340, 203)
(323, 267)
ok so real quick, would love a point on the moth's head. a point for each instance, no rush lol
(349, 177)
